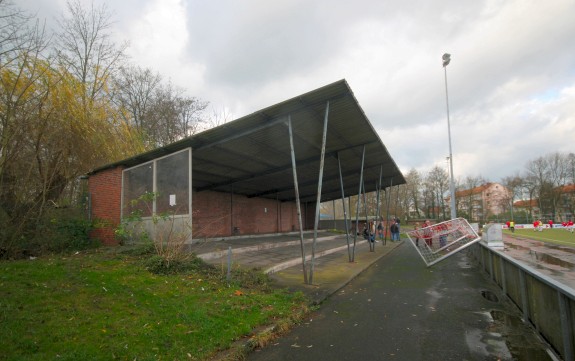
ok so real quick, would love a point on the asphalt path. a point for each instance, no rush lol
(398, 309)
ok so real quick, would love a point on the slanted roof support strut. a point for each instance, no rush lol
(319, 184)
(298, 204)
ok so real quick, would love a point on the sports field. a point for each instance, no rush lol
(559, 236)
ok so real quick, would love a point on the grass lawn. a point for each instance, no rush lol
(558, 236)
(101, 305)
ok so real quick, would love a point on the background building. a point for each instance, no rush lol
(480, 203)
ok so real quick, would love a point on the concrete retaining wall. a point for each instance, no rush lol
(546, 304)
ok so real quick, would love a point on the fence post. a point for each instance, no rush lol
(229, 275)
(524, 300)
(503, 278)
(566, 327)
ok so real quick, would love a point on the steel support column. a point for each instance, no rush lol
(349, 208)
(334, 220)
(298, 204)
(367, 225)
(344, 209)
(357, 208)
(378, 187)
(232, 209)
(397, 202)
(388, 204)
(318, 199)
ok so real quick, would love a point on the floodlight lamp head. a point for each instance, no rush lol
(446, 59)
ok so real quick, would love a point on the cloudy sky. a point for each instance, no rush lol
(511, 80)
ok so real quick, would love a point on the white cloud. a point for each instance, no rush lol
(158, 40)
(511, 81)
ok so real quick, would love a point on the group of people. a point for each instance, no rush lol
(538, 225)
(394, 230)
(568, 225)
(369, 231)
(427, 233)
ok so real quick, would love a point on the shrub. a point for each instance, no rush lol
(58, 230)
(165, 231)
(250, 278)
(140, 249)
(159, 265)
(62, 230)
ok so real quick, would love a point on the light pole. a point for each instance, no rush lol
(446, 59)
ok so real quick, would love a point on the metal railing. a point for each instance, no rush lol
(548, 305)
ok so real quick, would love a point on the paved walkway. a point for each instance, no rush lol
(451, 311)
(399, 309)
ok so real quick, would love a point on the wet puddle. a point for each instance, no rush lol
(516, 246)
(519, 338)
(547, 258)
(555, 261)
(490, 296)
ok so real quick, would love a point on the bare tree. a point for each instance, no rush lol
(570, 168)
(218, 118)
(134, 90)
(539, 172)
(514, 184)
(172, 116)
(21, 67)
(414, 185)
(16, 36)
(191, 115)
(86, 49)
(439, 183)
(471, 201)
(49, 134)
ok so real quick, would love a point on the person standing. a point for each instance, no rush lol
(380, 230)
(512, 226)
(394, 231)
(427, 233)
(415, 228)
(372, 231)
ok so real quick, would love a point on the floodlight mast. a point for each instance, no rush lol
(446, 59)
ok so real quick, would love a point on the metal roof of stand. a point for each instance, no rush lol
(252, 155)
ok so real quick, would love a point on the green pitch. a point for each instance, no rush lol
(557, 236)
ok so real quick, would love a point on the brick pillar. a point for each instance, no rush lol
(105, 188)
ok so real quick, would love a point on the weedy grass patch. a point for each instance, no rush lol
(102, 306)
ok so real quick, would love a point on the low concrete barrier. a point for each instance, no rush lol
(545, 303)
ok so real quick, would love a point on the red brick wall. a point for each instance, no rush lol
(105, 188)
(308, 216)
(288, 217)
(218, 214)
(215, 214)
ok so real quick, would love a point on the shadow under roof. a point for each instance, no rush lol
(251, 155)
